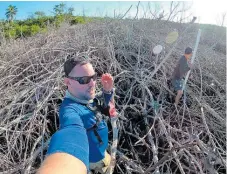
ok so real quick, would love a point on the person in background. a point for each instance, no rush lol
(81, 142)
(181, 69)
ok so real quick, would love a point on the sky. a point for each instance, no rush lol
(208, 12)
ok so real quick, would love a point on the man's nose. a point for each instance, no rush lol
(92, 82)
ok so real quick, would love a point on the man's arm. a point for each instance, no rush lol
(107, 88)
(111, 104)
(62, 163)
(108, 97)
(68, 150)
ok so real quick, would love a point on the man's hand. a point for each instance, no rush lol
(107, 82)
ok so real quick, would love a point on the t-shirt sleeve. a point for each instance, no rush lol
(71, 140)
(184, 68)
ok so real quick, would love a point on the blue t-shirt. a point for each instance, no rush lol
(73, 137)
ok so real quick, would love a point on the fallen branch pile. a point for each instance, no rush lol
(152, 139)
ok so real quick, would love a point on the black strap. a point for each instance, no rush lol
(94, 128)
(98, 136)
(95, 109)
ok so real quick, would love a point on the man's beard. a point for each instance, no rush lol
(91, 94)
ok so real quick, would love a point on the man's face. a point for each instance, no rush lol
(188, 56)
(82, 91)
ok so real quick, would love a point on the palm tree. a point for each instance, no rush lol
(62, 7)
(11, 12)
(59, 9)
(70, 11)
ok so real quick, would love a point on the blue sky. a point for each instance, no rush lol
(208, 12)
(91, 8)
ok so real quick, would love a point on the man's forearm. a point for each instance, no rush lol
(108, 96)
(62, 163)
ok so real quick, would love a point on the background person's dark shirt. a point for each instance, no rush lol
(181, 69)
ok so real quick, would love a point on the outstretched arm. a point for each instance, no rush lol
(62, 163)
(68, 150)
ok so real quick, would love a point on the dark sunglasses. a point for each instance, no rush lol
(83, 80)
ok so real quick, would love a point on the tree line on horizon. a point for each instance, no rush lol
(38, 22)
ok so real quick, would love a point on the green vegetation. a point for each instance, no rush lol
(39, 21)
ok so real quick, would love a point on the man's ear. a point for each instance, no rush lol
(66, 81)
